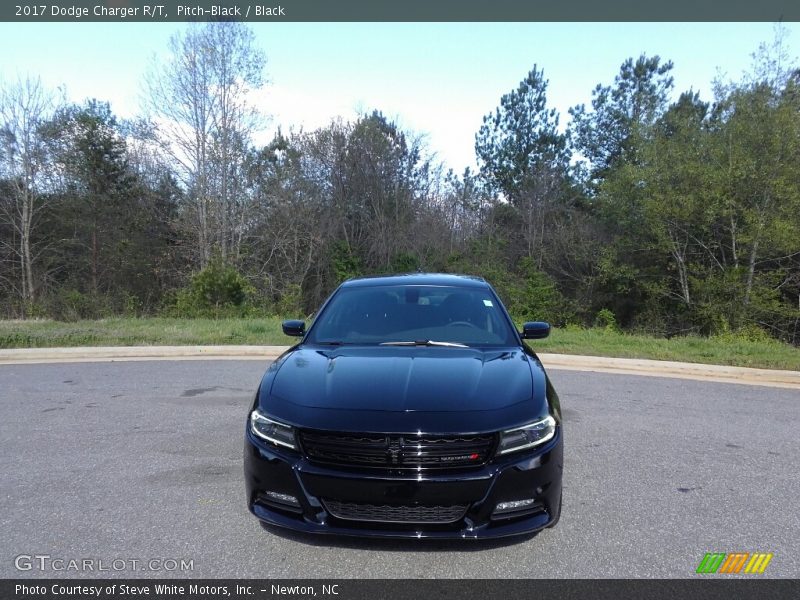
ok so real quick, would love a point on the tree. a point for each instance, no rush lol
(607, 135)
(385, 177)
(110, 228)
(520, 138)
(24, 107)
(460, 205)
(675, 175)
(612, 136)
(757, 132)
(285, 232)
(200, 99)
(98, 189)
(522, 155)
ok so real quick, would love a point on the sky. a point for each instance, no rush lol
(435, 79)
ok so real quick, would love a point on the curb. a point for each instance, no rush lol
(127, 353)
(598, 364)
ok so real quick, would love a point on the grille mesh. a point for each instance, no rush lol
(381, 513)
(397, 451)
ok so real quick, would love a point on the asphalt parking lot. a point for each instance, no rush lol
(142, 460)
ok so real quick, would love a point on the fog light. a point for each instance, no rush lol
(513, 505)
(516, 508)
(283, 498)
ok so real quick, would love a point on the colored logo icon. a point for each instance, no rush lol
(733, 563)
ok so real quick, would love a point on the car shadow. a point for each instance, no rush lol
(395, 544)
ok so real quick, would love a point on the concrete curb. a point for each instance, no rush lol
(623, 366)
(120, 353)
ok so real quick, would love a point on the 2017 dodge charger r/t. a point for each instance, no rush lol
(410, 408)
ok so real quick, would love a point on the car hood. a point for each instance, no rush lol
(405, 388)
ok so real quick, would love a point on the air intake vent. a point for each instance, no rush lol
(379, 513)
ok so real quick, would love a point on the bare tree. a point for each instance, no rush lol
(25, 106)
(200, 100)
(179, 100)
(237, 69)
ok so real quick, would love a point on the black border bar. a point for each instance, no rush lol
(118, 11)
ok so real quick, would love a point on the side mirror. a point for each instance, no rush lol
(294, 328)
(535, 330)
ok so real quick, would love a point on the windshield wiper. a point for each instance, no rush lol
(425, 343)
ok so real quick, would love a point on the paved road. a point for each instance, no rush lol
(142, 460)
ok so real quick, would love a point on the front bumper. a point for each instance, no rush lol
(517, 476)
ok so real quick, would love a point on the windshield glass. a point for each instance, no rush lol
(380, 314)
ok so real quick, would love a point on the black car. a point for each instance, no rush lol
(410, 408)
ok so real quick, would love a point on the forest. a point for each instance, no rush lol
(649, 210)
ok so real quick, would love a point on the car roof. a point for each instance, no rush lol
(443, 279)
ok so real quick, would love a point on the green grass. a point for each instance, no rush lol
(727, 350)
(722, 350)
(157, 331)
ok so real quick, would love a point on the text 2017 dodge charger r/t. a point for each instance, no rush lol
(410, 408)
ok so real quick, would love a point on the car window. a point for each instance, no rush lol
(410, 313)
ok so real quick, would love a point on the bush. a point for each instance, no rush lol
(605, 319)
(290, 302)
(131, 304)
(404, 263)
(748, 333)
(73, 305)
(528, 293)
(217, 291)
(345, 262)
(535, 297)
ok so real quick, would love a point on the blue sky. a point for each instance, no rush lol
(436, 79)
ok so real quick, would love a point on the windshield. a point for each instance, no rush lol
(412, 313)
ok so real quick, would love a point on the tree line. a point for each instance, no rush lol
(642, 212)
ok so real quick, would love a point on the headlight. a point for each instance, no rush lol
(527, 436)
(272, 431)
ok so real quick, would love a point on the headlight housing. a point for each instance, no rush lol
(272, 431)
(527, 436)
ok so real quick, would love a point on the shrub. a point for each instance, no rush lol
(747, 333)
(404, 262)
(605, 319)
(290, 302)
(345, 262)
(536, 297)
(73, 305)
(219, 290)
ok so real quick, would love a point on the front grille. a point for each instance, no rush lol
(381, 513)
(397, 451)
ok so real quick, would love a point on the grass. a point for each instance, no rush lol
(156, 331)
(722, 350)
(160, 331)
